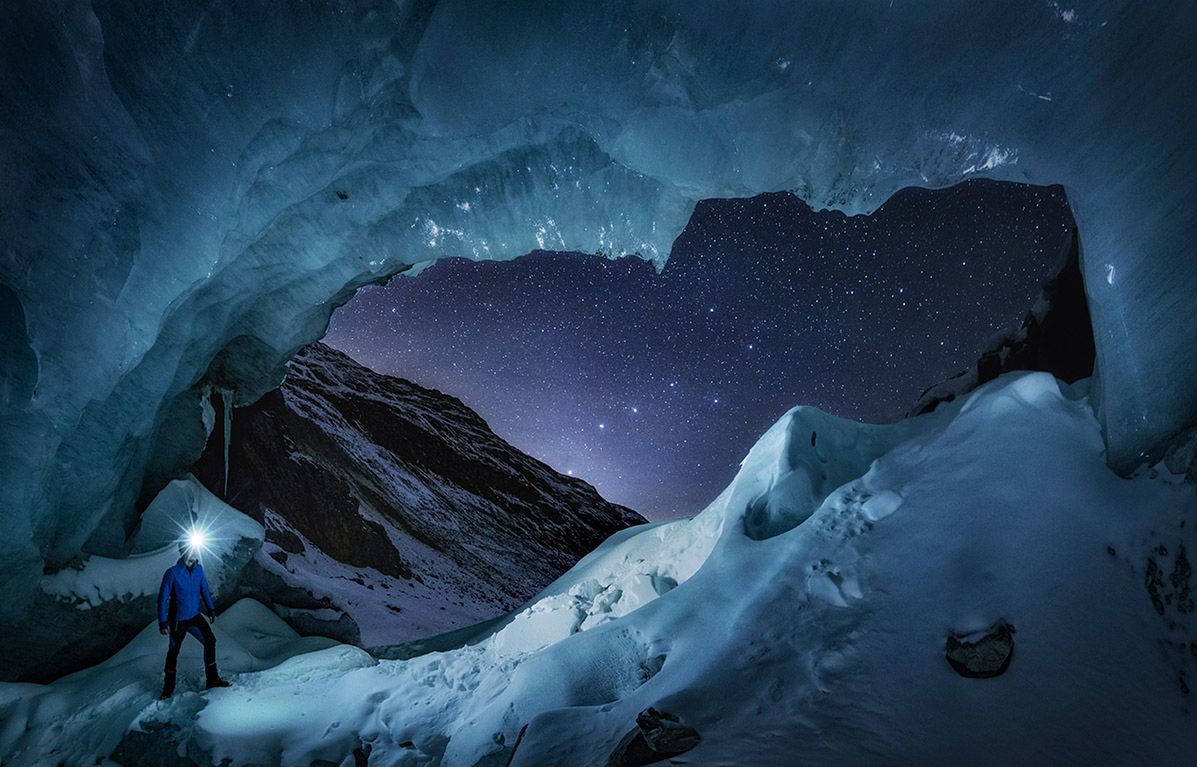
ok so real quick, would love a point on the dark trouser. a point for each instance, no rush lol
(198, 628)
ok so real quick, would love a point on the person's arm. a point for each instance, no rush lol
(164, 603)
(206, 595)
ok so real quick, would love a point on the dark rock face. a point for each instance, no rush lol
(155, 742)
(394, 504)
(1056, 337)
(658, 735)
(982, 654)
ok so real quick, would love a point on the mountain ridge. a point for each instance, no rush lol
(371, 485)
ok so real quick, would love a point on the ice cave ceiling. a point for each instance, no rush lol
(190, 190)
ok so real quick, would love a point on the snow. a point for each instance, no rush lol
(190, 197)
(386, 609)
(820, 643)
(82, 716)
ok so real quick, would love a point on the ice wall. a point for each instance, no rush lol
(190, 190)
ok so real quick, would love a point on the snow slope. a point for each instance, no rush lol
(817, 639)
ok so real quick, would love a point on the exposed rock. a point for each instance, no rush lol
(300, 608)
(664, 732)
(1169, 587)
(1056, 336)
(394, 504)
(658, 735)
(982, 654)
(155, 742)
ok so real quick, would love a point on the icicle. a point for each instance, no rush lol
(207, 412)
(226, 397)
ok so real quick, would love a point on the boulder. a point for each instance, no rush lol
(658, 735)
(982, 654)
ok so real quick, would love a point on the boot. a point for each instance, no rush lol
(214, 679)
(168, 685)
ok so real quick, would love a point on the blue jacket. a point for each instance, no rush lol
(183, 590)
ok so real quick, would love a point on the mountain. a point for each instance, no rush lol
(392, 511)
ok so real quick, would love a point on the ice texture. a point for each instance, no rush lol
(821, 644)
(190, 192)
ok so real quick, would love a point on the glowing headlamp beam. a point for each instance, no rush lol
(197, 540)
(199, 537)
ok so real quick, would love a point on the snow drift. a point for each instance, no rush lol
(823, 643)
(190, 191)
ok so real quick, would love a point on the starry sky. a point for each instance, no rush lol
(653, 386)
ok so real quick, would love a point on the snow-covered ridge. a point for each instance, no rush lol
(822, 643)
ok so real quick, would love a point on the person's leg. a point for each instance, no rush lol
(198, 628)
(177, 633)
(203, 632)
(172, 652)
(209, 639)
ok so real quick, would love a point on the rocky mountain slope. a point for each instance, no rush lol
(393, 512)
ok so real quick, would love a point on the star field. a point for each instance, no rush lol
(654, 386)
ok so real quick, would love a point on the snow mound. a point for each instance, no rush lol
(823, 643)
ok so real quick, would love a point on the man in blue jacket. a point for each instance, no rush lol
(182, 598)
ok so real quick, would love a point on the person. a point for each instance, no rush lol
(181, 600)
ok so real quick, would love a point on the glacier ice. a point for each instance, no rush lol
(226, 405)
(190, 193)
(823, 643)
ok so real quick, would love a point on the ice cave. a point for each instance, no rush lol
(191, 190)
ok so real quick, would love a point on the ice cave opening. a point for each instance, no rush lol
(576, 360)
(344, 152)
(356, 484)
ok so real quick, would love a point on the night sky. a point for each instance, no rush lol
(654, 386)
